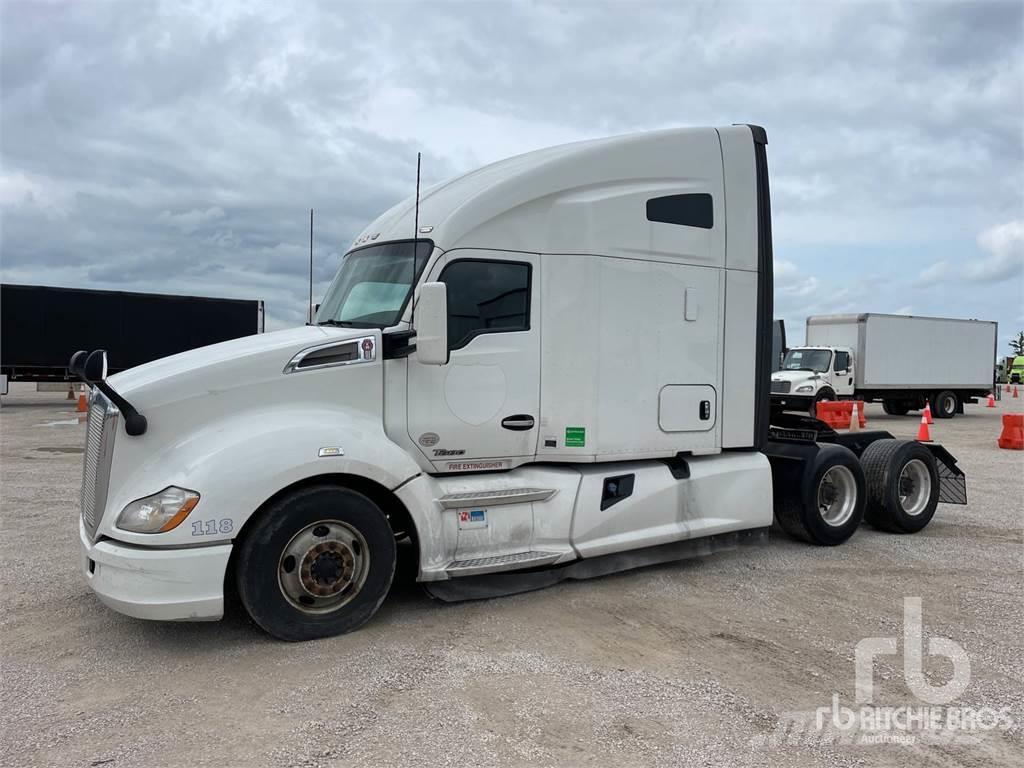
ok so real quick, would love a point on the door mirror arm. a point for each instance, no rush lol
(398, 344)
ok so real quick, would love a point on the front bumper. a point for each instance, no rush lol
(789, 402)
(162, 584)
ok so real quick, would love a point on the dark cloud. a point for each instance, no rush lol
(171, 146)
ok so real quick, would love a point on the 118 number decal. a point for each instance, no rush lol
(212, 527)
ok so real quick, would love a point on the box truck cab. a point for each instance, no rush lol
(812, 374)
(553, 367)
(1016, 372)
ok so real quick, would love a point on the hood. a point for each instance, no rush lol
(795, 377)
(220, 367)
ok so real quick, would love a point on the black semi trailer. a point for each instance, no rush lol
(41, 327)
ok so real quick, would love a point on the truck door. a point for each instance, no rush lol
(480, 410)
(843, 375)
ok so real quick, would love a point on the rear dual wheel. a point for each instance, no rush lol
(902, 483)
(896, 407)
(829, 505)
(944, 404)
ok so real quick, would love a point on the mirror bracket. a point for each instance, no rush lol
(398, 344)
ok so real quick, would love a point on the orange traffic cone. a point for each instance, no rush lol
(1015, 392)
(83, 406)
(1006, 389)
(854, 418)
(991, 401)
(928, 413)
(922, 432)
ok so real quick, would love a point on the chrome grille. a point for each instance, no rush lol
(781, 386)
(99, 444)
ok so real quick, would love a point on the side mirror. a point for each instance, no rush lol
(432, 324)
(95, 367)
(77, 364)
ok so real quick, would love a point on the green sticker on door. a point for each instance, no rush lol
(575, 437)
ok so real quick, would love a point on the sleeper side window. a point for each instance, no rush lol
(690, 210)
(486, 297)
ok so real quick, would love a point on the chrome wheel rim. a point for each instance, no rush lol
(323, 566)
(837, 495)
(915, 487)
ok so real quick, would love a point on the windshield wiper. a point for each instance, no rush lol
(338, 323)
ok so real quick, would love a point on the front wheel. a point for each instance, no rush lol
(828, 506)
(318, 562)
(823, 394)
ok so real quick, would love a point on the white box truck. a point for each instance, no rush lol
(554, 367)
(901, 360)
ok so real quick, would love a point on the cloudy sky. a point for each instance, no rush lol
(178, 146)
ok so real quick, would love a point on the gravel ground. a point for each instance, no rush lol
(694, 663)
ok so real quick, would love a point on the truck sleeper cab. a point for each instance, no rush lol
(563, 371)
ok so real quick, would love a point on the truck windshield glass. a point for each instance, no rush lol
(373, 285)
(807, 360)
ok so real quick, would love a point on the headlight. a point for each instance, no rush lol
(805, 388)
(158, 513)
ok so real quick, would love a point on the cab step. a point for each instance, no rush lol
(515, 560)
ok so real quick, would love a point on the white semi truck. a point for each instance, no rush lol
(903, 361)
(554, 367)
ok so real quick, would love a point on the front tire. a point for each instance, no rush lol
(317, 562)
(944, 404)
(829, 505)
(825, 393)
(903, 485)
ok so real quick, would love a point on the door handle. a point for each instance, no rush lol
(519, 422)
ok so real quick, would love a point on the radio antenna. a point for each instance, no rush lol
(309, 309)
(416, 220)
(415, 239)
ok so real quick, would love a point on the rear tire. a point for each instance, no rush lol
(317, 562)
(944, 404)
(829, 505)
(895, 407)
(903, 485)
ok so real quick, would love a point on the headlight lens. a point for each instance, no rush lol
(158, 513)
(805, 388)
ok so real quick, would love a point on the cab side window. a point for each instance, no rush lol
(486, 297)
(842, 361)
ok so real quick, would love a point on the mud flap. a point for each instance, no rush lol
(952, 481)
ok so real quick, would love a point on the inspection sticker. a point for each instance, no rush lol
(472, 518)
(575, 437)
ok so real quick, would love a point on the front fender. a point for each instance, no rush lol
(241, 460)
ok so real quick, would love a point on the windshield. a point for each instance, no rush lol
(807, 360)
(373, 285)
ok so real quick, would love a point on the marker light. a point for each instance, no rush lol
(158, 513)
